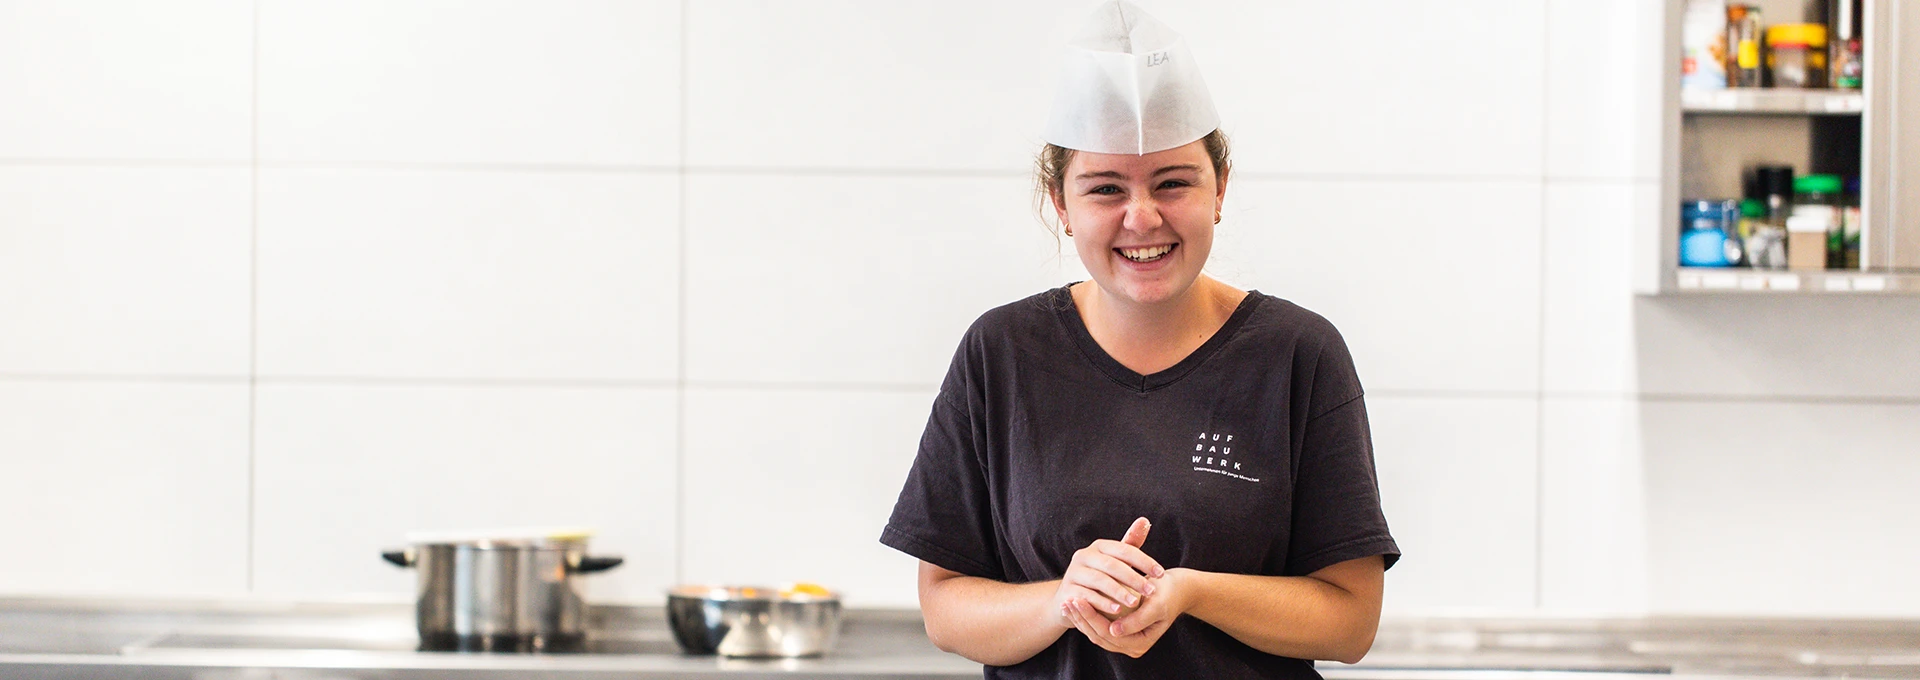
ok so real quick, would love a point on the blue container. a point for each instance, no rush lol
(1704, 229)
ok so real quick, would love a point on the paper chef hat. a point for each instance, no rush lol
(1129, 85)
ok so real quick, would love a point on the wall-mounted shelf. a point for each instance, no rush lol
(1712, 139)
(1739, 280)
(1774, 101)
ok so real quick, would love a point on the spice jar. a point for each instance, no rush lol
(1766, 242)
(1743, 46)
(1773, 185)
(1816, 207)
(1703, 234)
(1816, 190)
(1807, 240)
(1797, 55)
(1703, 45)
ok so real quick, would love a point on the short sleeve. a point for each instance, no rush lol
(944, 514)
(1336, 513)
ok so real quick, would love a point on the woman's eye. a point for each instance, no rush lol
(1105, 190)
(1173, 184)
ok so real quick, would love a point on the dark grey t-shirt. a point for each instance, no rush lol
(1250, 456)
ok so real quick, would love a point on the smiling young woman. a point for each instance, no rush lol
(1151, 473)
(1145, 229)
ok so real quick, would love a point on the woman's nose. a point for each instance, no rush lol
(1142, 215)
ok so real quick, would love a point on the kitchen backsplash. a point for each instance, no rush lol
(282, 281)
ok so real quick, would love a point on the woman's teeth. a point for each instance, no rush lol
(1145, 254)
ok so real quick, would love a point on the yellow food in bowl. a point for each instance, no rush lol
(810, 589)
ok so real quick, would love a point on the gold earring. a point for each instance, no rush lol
(1068, 228)
(1216, 217)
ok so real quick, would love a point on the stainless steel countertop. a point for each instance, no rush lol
(42, 638)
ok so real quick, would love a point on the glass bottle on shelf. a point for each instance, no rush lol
(1846, 61)
(1744, 35)
(1850, 225)
(1773, 184)
(1766, 243)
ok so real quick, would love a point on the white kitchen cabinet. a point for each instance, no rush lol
(1710, 138)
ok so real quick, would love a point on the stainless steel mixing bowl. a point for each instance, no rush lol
(753, 621)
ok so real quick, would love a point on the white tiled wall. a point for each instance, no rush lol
(346, 470)
(1457, 481)
(571, 82)
(125, 80)
(1603, 89)
(1587, 320)
(1593, 552)
(284, 280)
(1783, 508)
(124, 270)
(868, 83)
(853, 278)
(1780, 347)
(1351, 88)
(1426, 300)
(794, 484)
(468, 274)
(125, 486)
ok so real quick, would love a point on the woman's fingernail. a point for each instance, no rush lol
(1148, 590)
(1131, 600)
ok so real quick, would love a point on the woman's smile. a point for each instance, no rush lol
(1146, 254)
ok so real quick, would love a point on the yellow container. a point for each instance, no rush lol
(1797, 55)
(1805, 35)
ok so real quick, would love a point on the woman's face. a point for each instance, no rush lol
(1143, 225)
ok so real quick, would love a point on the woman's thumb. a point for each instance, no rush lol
(1137, 534)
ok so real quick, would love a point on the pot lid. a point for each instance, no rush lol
(510, 536)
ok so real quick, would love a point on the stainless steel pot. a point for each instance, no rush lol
(512, 594)
(748, 621)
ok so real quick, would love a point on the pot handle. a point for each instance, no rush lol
(590, 565)
(397, 557)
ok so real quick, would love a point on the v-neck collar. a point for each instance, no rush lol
(1069, 312)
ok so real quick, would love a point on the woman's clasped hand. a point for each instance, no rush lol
(1117, 596)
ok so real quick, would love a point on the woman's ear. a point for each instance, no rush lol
(1059, 199)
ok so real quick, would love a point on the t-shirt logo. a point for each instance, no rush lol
(1213, 453)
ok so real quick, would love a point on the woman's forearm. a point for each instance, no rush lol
(994, 623)
(1295, 616)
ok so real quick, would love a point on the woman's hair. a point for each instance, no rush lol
(1050, 173)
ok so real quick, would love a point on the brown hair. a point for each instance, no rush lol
(1050, 173)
